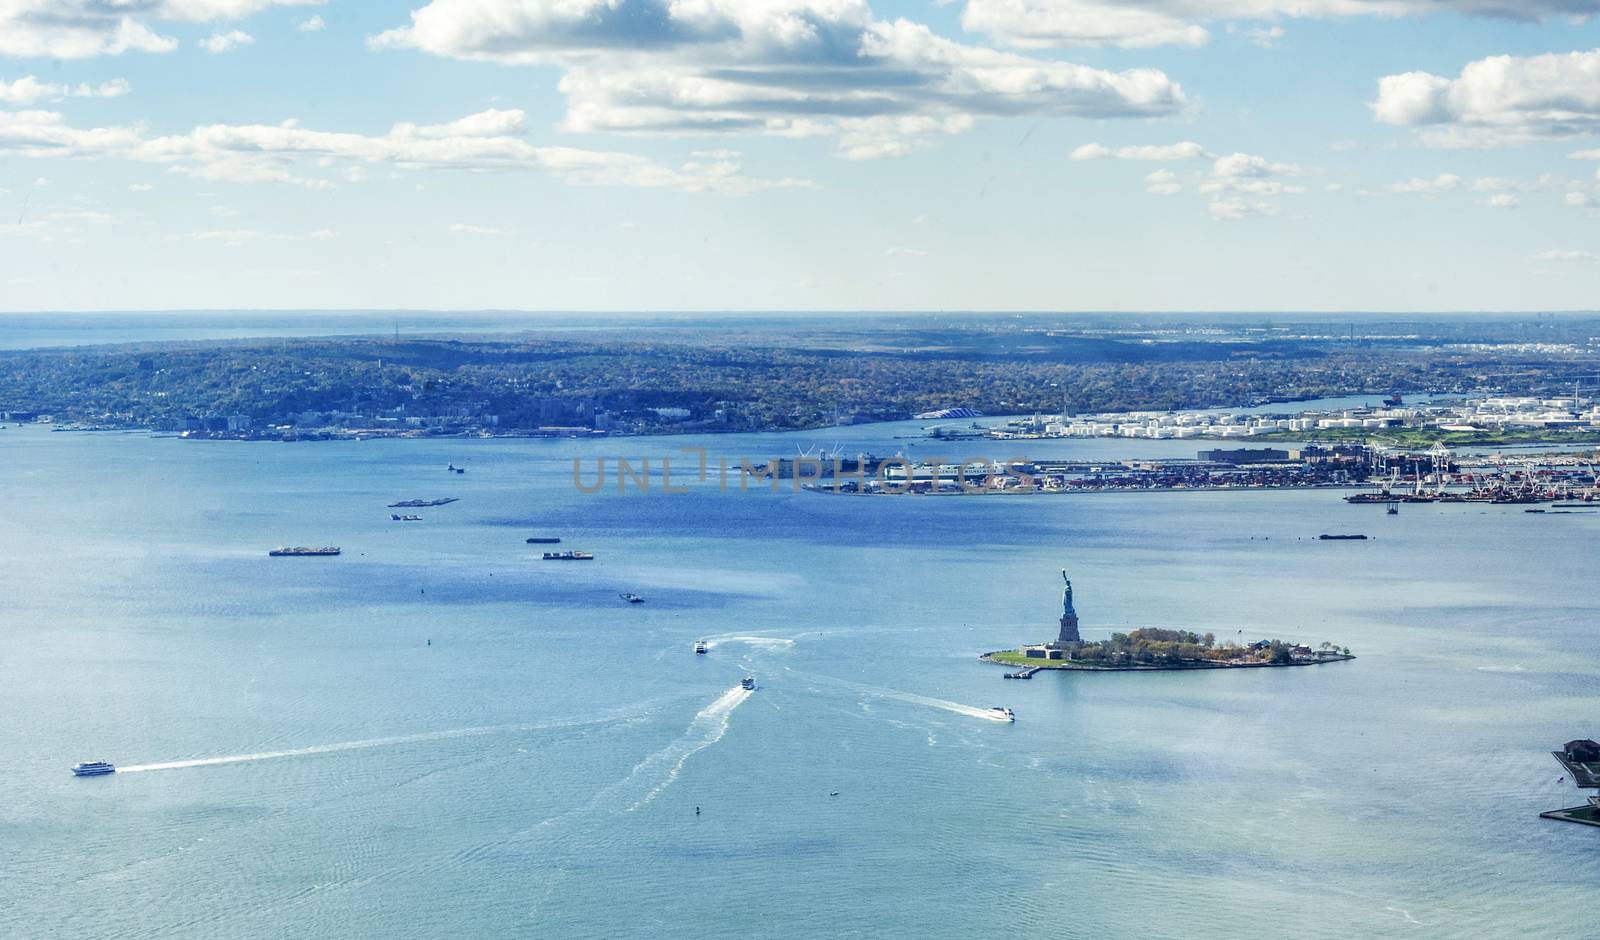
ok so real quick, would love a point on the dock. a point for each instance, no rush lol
(1583, 815)
(1585, 775)
(1024, 673)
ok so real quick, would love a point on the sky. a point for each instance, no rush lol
(800, 155)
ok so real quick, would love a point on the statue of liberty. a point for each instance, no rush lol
(1069, 617)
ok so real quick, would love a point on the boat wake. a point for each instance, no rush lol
(971, 711)
(707, 728)
(661, 769)
(763, 642)
(363, 745)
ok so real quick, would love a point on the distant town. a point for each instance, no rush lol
(1509, 379)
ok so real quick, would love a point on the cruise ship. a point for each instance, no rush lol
(93, 768)
(568, 556)
(284, 552)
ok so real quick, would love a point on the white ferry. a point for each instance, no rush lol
(92, 768)
(1002, 712)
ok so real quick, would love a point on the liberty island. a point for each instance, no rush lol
(1150, 649)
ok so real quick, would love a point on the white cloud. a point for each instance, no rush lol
(902, 251)
(140, 188)
(1578, 200)
(1058, 23)
(1244, 165)
(1444, 182)
(465, 228)
(1503, 201)
(787, 68)
(234, 237)
(1265, 36)
(1187, 150)
(29, 90)
(311, 24)
(286, 153)
(218, 43)
(78, 29)
(1498, 100)
(1231, 210)
(1559, 254)
(1163, 183)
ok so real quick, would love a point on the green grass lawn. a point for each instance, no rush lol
(1014, 658)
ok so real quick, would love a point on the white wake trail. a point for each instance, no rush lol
(662, 767)
(761, 642)
(360, 745)
(971, 711)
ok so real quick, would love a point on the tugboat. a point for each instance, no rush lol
(93, 768)
(568, 556)
(632, 598)
(748, 683)
(1003, 712)
(701, 648)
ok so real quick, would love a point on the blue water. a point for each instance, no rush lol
(483, 744)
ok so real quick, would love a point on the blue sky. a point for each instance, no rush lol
(1389, 155)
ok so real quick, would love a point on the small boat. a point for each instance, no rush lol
(1002, 711)
(542, 541)
(283, 552)
(1394, 509)
(568, 556)
(93, 768)
(748, 683)
(1342, 538)
(632, 598)
(701, 648)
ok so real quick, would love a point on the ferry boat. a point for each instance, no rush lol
(701, 648)
(93, 768)
(409, 517)
(284, 552)
(568, 556)
(1002, 711)
(748, 683)
(423, 503)
(632, 598)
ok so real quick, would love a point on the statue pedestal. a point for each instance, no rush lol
(1069, 631)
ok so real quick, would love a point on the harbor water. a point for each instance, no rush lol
(437, 734)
